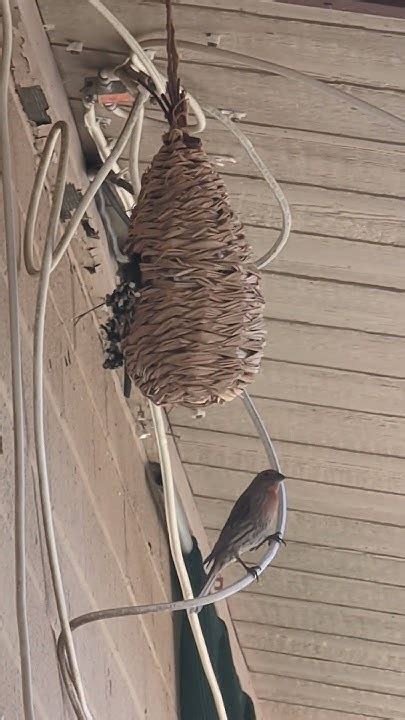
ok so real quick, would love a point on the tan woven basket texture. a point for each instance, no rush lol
(197, 336)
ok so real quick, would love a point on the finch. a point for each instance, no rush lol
(247, 527)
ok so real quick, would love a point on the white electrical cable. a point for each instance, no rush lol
(266, 65)
(87, 197)
(177, 555)
(50, 260)
(16, 368)
(281, 241)
(60, 129)
(133, 163)
(104, 148)
(134, 147)
(144, 61)
(147, 64)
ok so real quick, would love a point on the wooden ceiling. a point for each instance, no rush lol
(323, 632)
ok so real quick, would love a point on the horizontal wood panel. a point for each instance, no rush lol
(318, 617)
(386, 8)
(335, 347)
(296, 157)
(288, 104)
(338, 592)
(328, 303)
(307, 424)
(317, 694)
(326, 531)
(323, 646)
(295, 44)
(321, 464)
(333, 258)
(334, 562)
(292, 711)
(291, 10)
(303, 495)
(317, 210)
(329, 387)
(321, 210)
(282, 102)
(334, 673)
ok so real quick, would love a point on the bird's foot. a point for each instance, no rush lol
(254, 571)
(219, 583)
(276, 537)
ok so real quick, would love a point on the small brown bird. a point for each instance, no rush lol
(247, 527)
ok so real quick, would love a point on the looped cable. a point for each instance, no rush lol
(281, 241)
(59, 129)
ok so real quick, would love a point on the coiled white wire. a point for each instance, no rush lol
(49, 261)
(16, 367)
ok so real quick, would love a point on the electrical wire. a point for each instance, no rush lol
(134, 147)
(59, 130)
(287, 72)
(177, 556)
(144, 63)
(284, 234)
(271, 181)
(16, 369)
(104, 148)
(50, 259)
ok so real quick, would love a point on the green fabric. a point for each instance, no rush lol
(196, 700)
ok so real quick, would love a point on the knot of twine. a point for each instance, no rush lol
(176, 98)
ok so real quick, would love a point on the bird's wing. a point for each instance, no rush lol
(238, 525)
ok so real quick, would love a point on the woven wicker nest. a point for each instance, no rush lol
(197, 334)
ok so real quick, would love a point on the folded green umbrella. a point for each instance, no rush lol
(196, 701)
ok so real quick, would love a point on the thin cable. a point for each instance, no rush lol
(144, 63)
(50, 260)
(60, 129)
(177, 555)
(16, 369)
(282, 239)
(147, 64)
(87, 197)
(134, 148)
(266, 65)
(104, 148)
(272, 456)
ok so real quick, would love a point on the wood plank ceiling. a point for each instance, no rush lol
(324, 631)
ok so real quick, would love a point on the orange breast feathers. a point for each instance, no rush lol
(270, 501)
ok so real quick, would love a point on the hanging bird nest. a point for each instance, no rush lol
(196, 336)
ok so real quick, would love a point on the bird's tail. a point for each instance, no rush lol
(211, 577)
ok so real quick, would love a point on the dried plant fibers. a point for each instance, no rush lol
(197, 335)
